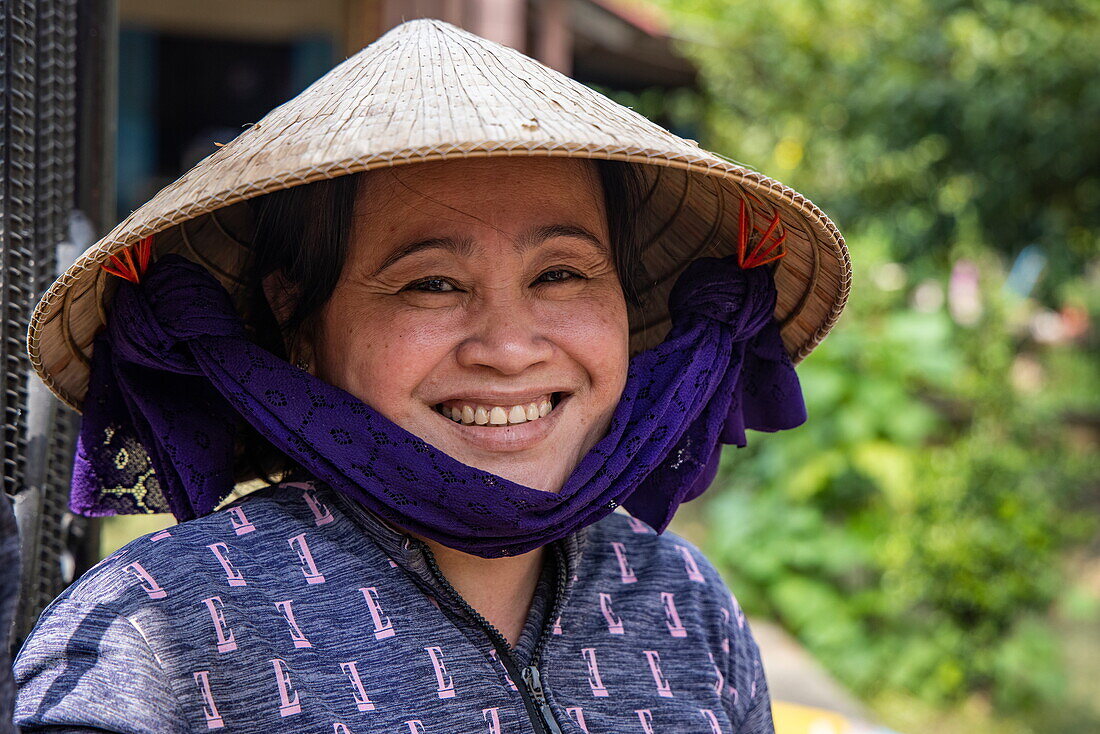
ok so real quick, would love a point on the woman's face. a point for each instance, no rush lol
(479, 309)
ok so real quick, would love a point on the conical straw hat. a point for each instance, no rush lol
(428, 91)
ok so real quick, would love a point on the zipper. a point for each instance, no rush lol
(531, 675)
(555, 607)
(533, 681)
(529, 681)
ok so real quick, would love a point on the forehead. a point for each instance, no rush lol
(506, 195)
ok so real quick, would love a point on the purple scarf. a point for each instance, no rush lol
(173, 374)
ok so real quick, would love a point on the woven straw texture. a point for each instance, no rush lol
(428, 91)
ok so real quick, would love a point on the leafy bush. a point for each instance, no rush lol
(911, 533)
(936, 117)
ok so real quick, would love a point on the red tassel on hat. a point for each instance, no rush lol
(761, 252)
(123, 264)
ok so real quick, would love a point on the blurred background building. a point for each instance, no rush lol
(192, 74)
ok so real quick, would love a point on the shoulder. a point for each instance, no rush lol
(628, 563)
(631, 558)
(622, 540)
(81, 666)
(117, 627)
(154, 566)
(637, 591)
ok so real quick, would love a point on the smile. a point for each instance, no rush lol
(473, 413)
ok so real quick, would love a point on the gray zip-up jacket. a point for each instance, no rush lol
(297, 611)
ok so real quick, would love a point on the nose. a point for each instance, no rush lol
(504, 335)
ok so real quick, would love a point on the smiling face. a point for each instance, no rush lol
(479, 309)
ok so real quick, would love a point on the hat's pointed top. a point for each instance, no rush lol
(425, 88)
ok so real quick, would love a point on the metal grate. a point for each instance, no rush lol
(37, 162)
(17, 158)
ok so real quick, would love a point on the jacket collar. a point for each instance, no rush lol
(406, 552)
(410, 555)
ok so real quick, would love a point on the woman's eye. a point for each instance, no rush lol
(558, 276)
(431, 285)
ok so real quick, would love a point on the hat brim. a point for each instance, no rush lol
(692, 211)
(476, 99)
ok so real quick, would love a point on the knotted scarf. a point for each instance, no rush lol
(174, 373)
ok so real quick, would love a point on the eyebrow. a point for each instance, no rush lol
(464, 246)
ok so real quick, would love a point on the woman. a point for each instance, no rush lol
(437, 361)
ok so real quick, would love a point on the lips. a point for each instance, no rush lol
(473, 412)
(480, 445)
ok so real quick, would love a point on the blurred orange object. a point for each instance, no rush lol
(793, 718)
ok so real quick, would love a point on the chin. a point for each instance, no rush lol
(542, 478)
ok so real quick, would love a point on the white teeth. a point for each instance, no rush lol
(498, 415)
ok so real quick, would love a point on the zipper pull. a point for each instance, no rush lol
(533, 680)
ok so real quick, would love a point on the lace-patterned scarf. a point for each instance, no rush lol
(173, 374)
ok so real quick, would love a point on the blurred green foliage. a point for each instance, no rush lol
(911, 533)
(934, 117)
(914, 532)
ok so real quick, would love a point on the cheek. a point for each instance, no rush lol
(380, 355)
(596, 335)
